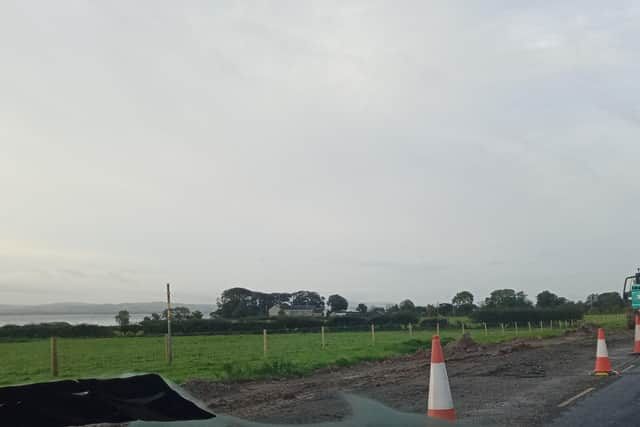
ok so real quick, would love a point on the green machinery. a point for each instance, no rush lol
(631, 290)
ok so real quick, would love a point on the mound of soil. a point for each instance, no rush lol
(464, 347)
(588, 329)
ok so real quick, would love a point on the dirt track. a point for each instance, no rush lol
(519, 383)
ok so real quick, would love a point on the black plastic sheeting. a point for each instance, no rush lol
(117, 400)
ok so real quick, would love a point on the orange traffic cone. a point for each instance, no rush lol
(440, 404)
(603, 364)
(636, 339)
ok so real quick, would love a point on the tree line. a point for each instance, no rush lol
(242, 303)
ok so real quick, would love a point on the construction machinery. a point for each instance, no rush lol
(631, 290)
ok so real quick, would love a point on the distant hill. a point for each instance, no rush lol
(84, 308)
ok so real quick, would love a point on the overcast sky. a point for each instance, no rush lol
(381, 150)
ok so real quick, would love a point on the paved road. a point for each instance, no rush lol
(615, 403)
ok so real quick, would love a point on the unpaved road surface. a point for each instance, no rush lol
(519, 383)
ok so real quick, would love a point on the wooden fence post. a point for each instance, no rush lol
(169, 345)
(516, 324)
(54, 356)
(264, 342)
(541, 328)
(530, 331)
(485, 329)
(410, 330)
(438, 328)
(166, 346)
(373, 334)
(550, 324)
(502, 324)
(322, 335)
(462, 328)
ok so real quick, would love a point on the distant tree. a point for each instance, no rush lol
(197, 315)
(177, 313)
(547, 299)
(337, 303)
(406, 305)
(445, 309)
(463, 303)
(361, 308)
(147, 319)
(431, 310)
(392, 308)
(122, 318)
(608, 302)
(376, 310)
(308, 298)
(462, 298)
(503, 298)
(238, 301)
(155, 316)
(420, 310)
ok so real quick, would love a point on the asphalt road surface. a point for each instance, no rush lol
(616, 402)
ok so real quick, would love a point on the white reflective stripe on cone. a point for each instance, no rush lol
(439, 391)
(601, 350)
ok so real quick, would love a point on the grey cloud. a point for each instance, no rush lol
(354, 147)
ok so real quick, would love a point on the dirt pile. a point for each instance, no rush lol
(464, 347)
(588, 329)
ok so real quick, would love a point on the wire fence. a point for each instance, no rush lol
(270, 353)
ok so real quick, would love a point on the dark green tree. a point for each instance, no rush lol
(308, 298)
(406, 305)
(337, 303)
(445, 309)
(178, 313)
(547, 299)
(503, 298)
(462, 298)
(463, 303)
(123, 318)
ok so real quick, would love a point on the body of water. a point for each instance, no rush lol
(74, 319)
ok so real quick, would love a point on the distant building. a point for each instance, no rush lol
(344, 313)
(295, 311)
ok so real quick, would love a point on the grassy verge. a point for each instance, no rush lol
(223, 357)
(608, 321)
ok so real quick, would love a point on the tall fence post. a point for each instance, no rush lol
(166, 346)
(502, 325)
(437, 328)
(169, 346)
(486, 332)
(264, 342)
(530, 331)
(462, 328)
(541, 328)
(373, 334)
(322, 336)
(410, 330)
(516, 325)
(550, 324)
(54, 356)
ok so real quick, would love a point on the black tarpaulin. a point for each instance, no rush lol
(79, 402)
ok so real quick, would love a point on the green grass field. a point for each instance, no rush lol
(223, 357)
